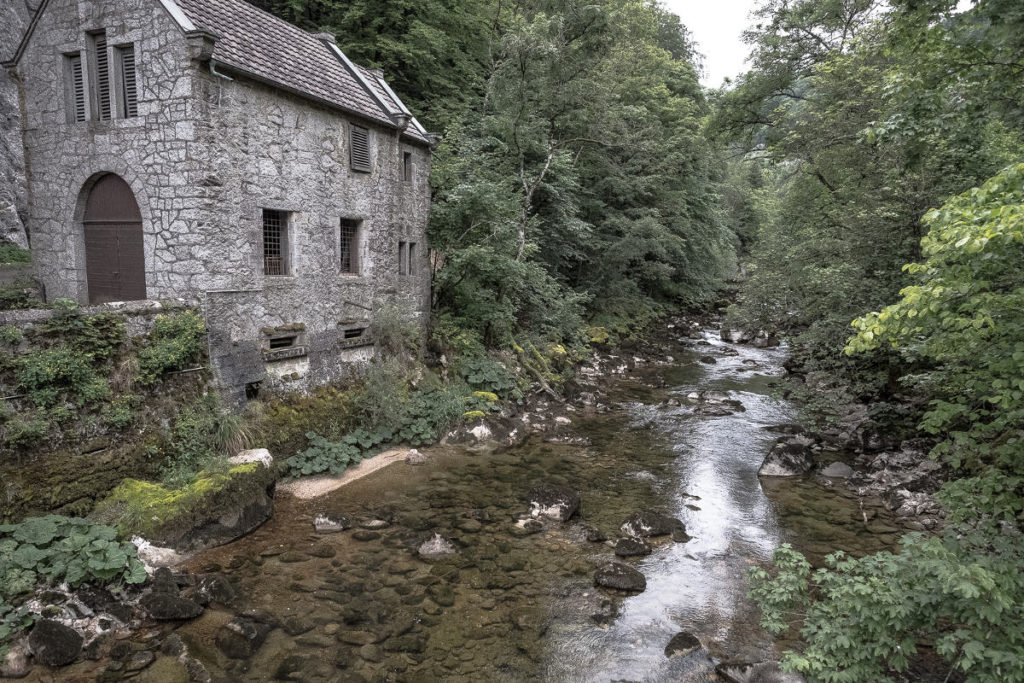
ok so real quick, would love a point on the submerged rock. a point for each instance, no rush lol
(553, 501)
(54, 644)
(762, 672)
(837, 470)
(214, 588)
(325, 524)
(15, 663)
(620, 577)
(648, 523)
(415, 457)
(682, 644)
(632, 547)
(170, 607)
(241, 637)
(436, 547)
(790, 457)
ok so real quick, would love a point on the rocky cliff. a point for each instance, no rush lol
(14, 19)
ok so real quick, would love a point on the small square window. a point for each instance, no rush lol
(349, 245)
(407, 166)
(275, 242)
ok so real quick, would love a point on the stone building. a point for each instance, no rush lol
(205, 150)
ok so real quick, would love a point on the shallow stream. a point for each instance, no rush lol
(360, 605)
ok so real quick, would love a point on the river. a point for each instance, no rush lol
(509, 605)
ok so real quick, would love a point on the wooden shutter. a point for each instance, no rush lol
(102, 76)
(129, 87)
(76, 88)
(359, 154)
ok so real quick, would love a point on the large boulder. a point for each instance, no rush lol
(54, 644)
(648, 524)
(15, 663)
(681, 645)
(216, 508)
(553, 501)
(789, 457)
(620, 577)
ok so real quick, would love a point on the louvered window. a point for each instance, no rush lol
(275, 242)
(349, 244)
(101, 63)
(129, 92)
(75, 89)
(359, 148)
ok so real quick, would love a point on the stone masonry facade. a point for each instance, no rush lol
(209, 151)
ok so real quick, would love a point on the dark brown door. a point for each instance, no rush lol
(115, 262)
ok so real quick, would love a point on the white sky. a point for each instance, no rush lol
(716, 25)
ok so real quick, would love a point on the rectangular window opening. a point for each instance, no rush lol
(349, 245)
(407, 166)
(403, 258)
(101, 71)
(127, 83)
(354, 333)
(410, 266)
(283, 342)
(359, 148)
(75, 77)
(275, 242)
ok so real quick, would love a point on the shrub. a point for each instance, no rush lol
(120, 412)
(396, 332)
(96, 336)
(19, 296)
(48, 374)
(385, 395)
(331, 456)
(12, 253)
(201, 432)
(22, 432)
(174, 341)
(10, 335)
(484, 373)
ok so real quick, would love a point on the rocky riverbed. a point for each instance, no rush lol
(606, 538)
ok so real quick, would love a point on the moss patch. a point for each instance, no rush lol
(167, 516)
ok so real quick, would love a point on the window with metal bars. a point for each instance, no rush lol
(359, 148)
(349, 245)
(407, 166)
(101, 77)
(75, 87)
(275, 242)
(127, 83)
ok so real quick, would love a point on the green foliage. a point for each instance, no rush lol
(95, 336)
(963, 319)
(24, 431)
(10, 335)
(120, 412)
(19, 296)
(202, 432)
(486, 374)
(385, 394)
(174, 342)
(52, 550)
(12, 253)
(49, 375)
(331, 456)
(862, 619)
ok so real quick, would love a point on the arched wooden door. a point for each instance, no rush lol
(115, 262)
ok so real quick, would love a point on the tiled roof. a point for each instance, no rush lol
(259, 44)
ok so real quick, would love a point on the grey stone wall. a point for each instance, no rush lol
(14, 18)
(204, 157)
